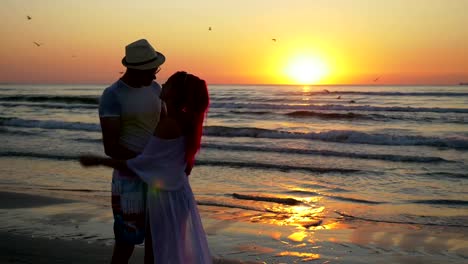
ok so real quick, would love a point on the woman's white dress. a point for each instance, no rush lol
(176, 228)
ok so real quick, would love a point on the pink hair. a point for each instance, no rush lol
(192, 103)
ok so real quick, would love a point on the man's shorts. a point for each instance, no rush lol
(128, 207)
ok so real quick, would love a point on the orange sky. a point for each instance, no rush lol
(330, 41)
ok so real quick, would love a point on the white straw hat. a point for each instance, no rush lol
(141, 55)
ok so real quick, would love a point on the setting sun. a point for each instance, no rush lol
(306, 70)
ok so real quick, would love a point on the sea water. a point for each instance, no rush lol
(292, 154)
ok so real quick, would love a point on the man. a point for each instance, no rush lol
(129, 112)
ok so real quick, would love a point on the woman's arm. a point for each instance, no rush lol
(93, 160)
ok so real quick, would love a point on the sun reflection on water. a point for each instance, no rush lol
(304, 256)
(298, 236)
(305, 93)
(303, 218)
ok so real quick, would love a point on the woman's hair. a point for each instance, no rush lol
(191, 105)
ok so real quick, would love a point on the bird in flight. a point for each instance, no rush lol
(209, 28)
(273, 39)
(28, 17)
(376, 79)
(37, 44)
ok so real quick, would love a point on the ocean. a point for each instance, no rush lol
(293, 155)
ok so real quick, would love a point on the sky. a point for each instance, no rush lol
(250, 41)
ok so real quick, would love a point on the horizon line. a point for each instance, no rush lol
(251, 84)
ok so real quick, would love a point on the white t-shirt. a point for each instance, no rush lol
(138, 109)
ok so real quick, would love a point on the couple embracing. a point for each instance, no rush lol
(151, 136)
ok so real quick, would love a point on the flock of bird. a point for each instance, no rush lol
(35, 42)
(209, 29)
(39, 44)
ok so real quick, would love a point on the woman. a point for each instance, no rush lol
(167, 160)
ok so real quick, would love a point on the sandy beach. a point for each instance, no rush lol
(41, 229)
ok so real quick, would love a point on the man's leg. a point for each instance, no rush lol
(122, 253)
(149, 257)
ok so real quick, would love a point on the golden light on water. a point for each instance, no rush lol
(305, 93)
(298, 236)
(302, 225)
(303, 255)
(300, 216)
(306, 89)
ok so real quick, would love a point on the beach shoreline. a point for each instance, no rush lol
(72, 231)
(22, 245)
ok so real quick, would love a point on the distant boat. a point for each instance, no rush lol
(463, 83)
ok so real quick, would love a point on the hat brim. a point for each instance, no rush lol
(160, 59)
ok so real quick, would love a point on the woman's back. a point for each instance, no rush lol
(162, 163)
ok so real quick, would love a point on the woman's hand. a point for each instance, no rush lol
(91, 160)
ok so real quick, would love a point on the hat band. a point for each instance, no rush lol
(140, 63)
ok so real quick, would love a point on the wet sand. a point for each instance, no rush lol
(26, 249)
(41, 229)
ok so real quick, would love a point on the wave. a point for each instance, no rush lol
(293, 114)
(49, 105)
(293, 201)
(38, 155)
(49, 124)
(425, 94)
(377, 117)
(355, 200)
(337, 107)
(441, 202)
(387, 157)
(229, 205)
(305, 192)
(88, 140)
(341, 136)
(287, 201)
(252, 165)
(94, 100)
(442, 174)
(455, 119)
(73, 190)
(349, 115)
(321, 186)
(405, 219)
(250, 112)
(336, 197)
(16, 132)
(280, 167)
(423, 221)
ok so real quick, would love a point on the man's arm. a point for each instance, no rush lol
(110, 127)
(93, 160)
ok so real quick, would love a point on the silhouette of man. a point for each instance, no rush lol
(129, 112)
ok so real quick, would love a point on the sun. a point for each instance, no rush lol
(306, 70)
